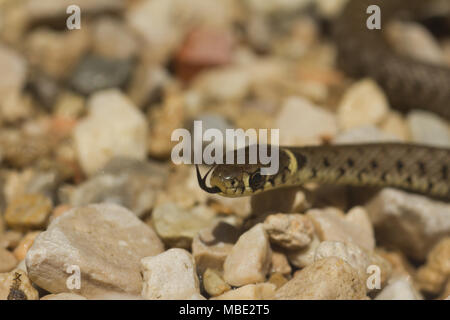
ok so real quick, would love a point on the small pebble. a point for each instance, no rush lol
(399, 289)
(214, 284)
(7, 260)
(28, 212)
(259, 291)
(249, 259)
(170, 275)
(27, 241)
(427, 128)
(16, 285)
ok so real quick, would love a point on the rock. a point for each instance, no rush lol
(21, 250)
(358, 259)
(13, 68)
(119, 128)
(224, 84)
(16, 285)
(128, 182)
(10, 239)
(177, 227)
(354, 227)
(285, 200)
(240, 207)
(428, 128)
(106, 243)
(69, 105)
(28, 212)
(330, 9)
(277, 6)
(214, 284)
(399, 289)
(113, 40)
(7, 260)
(259, 291)
(398, 261)
(395, 125)
(280, 264)
(304, 257)
(408, 222)
(56, 53)
(301, 122)
(326, 279)
(95, 73)
(170, 275)
(164, 120)
(289, 231)
(407, 37)
(433, 276)
(366, 134)
(363, 104)
(249, 259)
(212, 245)
(278, 280)
(203, 48)
(63, 296)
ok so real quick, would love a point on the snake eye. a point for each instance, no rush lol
(256, 181)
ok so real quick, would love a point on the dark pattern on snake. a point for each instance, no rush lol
(409, 84)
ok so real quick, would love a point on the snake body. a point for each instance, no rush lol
(409, 84)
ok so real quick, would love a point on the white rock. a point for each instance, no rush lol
(409, 222)
(330, 9)
(301, 122)
(114, 127)
(354, 227)
(249, 260)
(399, 289)
(304, 257)
(290, 231)
(363, 104)
(259, 291)
(170, 275)
(365, 134)
(414, 40)
(177, 227)
(105, 242)
(428, 128)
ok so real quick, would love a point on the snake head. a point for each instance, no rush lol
(234, 180)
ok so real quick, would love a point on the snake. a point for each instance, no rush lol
(408, 84)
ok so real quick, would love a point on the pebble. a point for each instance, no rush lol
(304, 257)
(326, 279)
(354, 227)
(365, 134)
(203, 48)
(128, 182)
(428, 128)
(120, 130)
(56, 53)
(278, 280)
(276, 6)
(356, 257)
(399, 289)
(7, 260)
(363, 104)
(394, 124)
(170, 275)
(13, 68)
(249, 259)
(330, 9)
(29, 211)
(280, 264)
(415, 41)
(259, 291)
(433, 276)
(27, 241)
(408, 222)
(214, 284)
(224, 84)
(63, 296)
(177, 227)
(69, 105)
(10, 239)
(289, 231)
(212, 245)
(96, 73)
(113, 40)
(16, 285)
(300, 122)
(105, 241)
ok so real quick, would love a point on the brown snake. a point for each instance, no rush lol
(409, 84)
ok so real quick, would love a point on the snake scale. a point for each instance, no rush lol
(409, 84)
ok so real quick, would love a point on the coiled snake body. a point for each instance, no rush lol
(409, 84)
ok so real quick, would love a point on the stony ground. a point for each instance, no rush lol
(88, 188)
